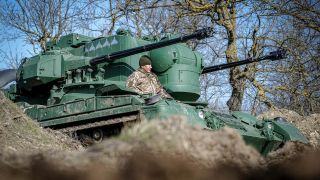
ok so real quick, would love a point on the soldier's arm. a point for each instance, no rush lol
(132, 83)
(164, 93)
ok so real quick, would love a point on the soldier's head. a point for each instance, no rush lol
(145, 63)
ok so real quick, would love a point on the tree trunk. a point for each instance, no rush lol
(238, 87)
(236, 82)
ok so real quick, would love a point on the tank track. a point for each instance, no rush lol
(72, 129)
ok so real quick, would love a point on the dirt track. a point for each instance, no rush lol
(158, 150)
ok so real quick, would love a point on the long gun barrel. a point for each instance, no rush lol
(275, 55)
(200, 34)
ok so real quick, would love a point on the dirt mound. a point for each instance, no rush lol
(143, 165)
(308, 125)
(163, 149)
(171, 138)
(18, 133)
(176, 138)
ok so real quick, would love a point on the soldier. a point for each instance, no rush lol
(143, 81)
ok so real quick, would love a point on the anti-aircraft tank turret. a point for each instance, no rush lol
(78, 86)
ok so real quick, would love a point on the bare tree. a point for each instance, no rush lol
(11, 58)
(293, 83)
(103, 16)
(41, 20)
(296, 84)
(306, 12)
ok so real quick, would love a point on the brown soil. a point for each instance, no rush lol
(18, 133)
(150, 150)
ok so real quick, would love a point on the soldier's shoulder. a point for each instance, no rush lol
(136, 74)
(132, 75)
(140, 73)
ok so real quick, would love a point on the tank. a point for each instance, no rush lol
(77, 86)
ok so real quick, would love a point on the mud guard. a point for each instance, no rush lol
(289, 131)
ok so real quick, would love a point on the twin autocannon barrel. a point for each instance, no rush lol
(200, 34)
(275, 55)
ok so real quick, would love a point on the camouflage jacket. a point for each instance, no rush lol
(145, 83)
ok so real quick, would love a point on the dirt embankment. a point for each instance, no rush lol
(159, 150)
(18, 133)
